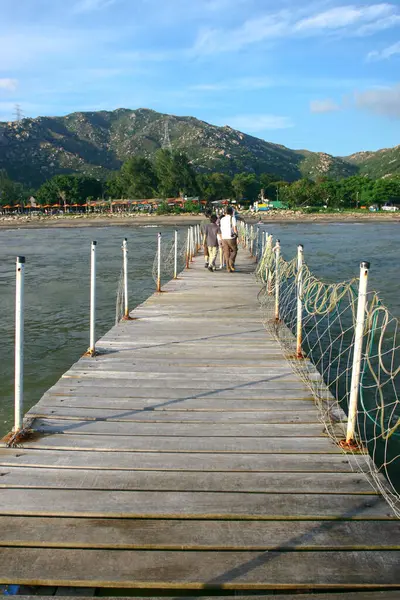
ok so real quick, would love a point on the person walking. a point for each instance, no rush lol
(203, 225)
(211, 238)
(229, 239)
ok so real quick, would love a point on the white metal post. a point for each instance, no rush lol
(299, 335)
(277, 282)
(125, 263)
(258, 243)
(19, 344)
(92, 348)
(265, 245)
(269, 242)
(191, 244)
(358, 345)
(176, 255)
(251, 240)
(159, 262)
(188, 249)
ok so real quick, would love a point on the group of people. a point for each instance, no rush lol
(220, 233)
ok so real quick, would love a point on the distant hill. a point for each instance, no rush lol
(381, 163)
(97, 143)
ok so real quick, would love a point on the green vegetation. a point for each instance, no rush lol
(97, 144)
(70, 189)
(11, 192)
(377, 164)
(171, 175)
(349, 193)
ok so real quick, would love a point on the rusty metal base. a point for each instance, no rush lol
(91, 353)
(16, 438)
(295, 356)
(351, 446)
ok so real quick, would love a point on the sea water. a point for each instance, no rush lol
(57, 285)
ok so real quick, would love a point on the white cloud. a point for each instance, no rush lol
(379, 25)
(343, 16)
(252, 31)
(354, 20)
(385, 53)
(21, 48)
(91, 5)
(323, 106)
(256, 123)
(8, 85)
(383, 101)
(241, 84)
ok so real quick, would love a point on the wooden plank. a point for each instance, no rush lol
(203, 399)
(185, 364)
(177, 443)
(277, 382)
(190, 505)
(323, 463)
(125, 371)
(172, 469)
(225, 365)
(175, 416)
(186, 429)
(192, 351)
(204, 402)
(128, 388)
(198, 535)
(332, 483)
(192, 570)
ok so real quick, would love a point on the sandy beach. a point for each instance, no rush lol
(105, 220)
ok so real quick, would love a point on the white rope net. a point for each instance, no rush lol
(167, 265)
(120, 301)
(328, 335)
(168, 258)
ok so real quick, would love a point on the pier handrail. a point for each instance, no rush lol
(353, 344)
(339, 337)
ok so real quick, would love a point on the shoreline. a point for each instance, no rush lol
(61, 221)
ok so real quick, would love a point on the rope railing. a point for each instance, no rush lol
(345, 345)
(339, 337)
(171, 256)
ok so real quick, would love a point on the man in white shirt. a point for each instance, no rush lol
(229, 239)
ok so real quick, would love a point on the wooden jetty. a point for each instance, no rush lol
(188, 456)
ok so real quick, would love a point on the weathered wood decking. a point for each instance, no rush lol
(187, 456)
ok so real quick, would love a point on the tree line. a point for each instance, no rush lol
(171, 174)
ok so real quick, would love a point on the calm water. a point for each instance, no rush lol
(57, 285)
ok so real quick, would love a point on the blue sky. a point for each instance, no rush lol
(322, 75)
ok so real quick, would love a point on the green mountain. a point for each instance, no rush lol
(97, 143)
(381, 163)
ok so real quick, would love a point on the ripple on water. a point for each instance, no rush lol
(57, 284)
